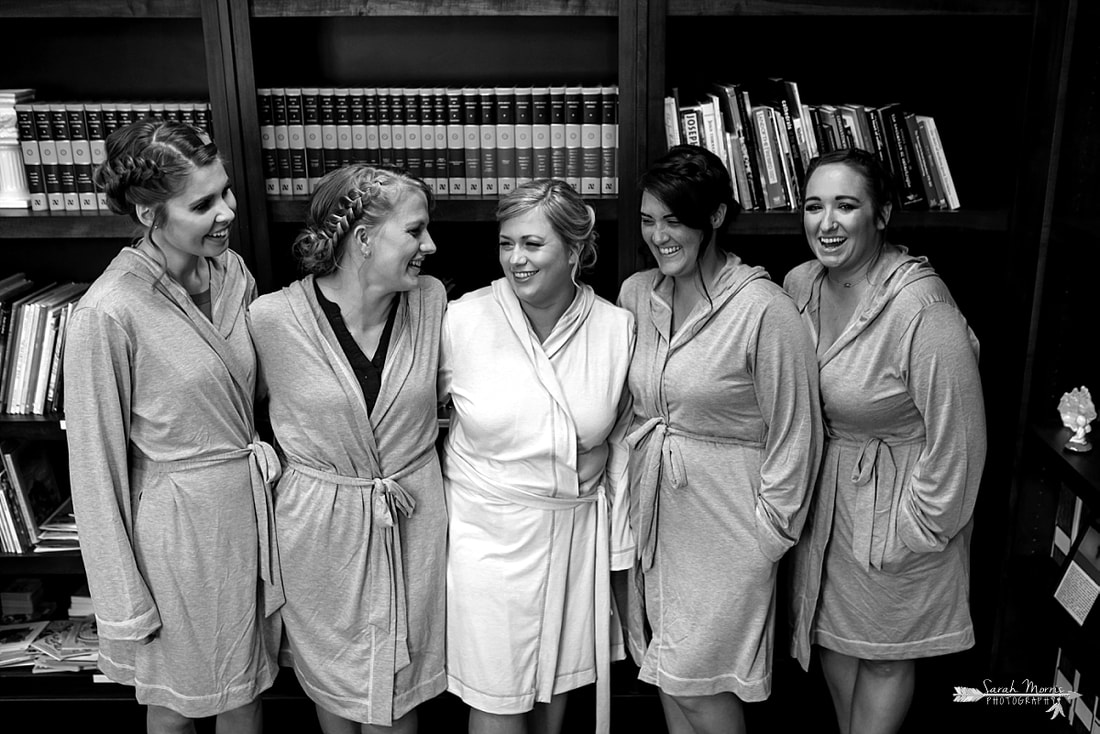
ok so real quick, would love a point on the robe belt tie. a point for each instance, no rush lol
(601, 589)
(387, 497)
(263, 470)
(661, 456)
(874, 473)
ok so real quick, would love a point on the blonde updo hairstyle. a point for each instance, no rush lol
(345, 198)
(148, 162)
(572, 220)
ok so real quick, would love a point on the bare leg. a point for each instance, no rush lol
(405, 725)
(333, 724)
(485, 723)
(721, 713)
(841, 672)
(884, 690)
(247, 719)
(160, 720)
(675, 719)
(546, 718)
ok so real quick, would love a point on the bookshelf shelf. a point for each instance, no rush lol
(1080, 471)
(25, 224)
(295, 209)
(39, 427)
(101, 9)
(56, 563)
(849, 8)
(557, 8)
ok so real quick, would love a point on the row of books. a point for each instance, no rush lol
(463, 142)
(63, 142)
(33, 509)
(767, 136)
(33, 318)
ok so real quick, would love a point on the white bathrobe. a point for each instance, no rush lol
(534, 470)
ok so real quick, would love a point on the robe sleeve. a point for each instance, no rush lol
(618, 484)
(97, 371)
(446, 364)
(938, 499)
(786, 381)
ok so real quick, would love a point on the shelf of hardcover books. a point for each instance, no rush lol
(1080, 471)
(553, 8)
(849, 9)
(100, 9)
(293, 209)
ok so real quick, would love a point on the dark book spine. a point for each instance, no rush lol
(574, 120)
(487, 139)
(559, 160)
(609, 141)
(32, 159)
(282, 140)
(296, 131)
(343, 125)
(82, 157)
(330, 144)
(385, 127)
(414, 145)
(268, 158)
(591, 137)
(506, 139)
(397, 120)
(933, 190)
(471, 129)
(357, 101)
(442, 175)
(456, 143)
(427, 137)
(525, 161)
(370, 113)
(910, 188)
(311, 118)
(66, 169)
(540, 132)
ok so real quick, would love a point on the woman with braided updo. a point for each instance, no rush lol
(169, 482)
(534, 466)
(348, 357)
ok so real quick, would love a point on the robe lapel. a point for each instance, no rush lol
(314, 324)
(399, 356)
(566, 439)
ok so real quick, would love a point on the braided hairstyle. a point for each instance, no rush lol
(692, 182)
(148, 163)
(572, 220)
(344, 198)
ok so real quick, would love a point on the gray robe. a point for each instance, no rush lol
(726, 442)
(170, 486)
(360, 513)
(883, 571)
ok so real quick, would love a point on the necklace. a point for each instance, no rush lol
(849, 284)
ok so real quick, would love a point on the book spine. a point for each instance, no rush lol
(269, 163)
(427, 137)
(672, 122)
(330, 146)
(917, 146)
(506, 139)
(311, 119)
(487, 124)
(32, 160)
(950, 193)
(910, 189)
(471, 132)
(385, 127)
(786, 162)
(97, 143)
(19, 498)
(525, 154)
(609, 140)
(56, 362)
(374, 131)
(767, 147)
(456, 143)
(282, 140)
(574, 122)
(540, 132)
(40, 380)
(691, 125)
(296, 139)
(590, 141)
(82, 157)
(442, 174)
(66, 170)
(414, 147)
(878, 133)
(17, 535)
(931, 161)
(343, 125)
(357, 102)
(397, 124)
(559, 159)
(47, 149)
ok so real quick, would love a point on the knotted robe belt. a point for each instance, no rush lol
(874, 473)
(263, 470)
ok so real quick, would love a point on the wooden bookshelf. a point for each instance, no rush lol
(41, 564)
(65, 9)
(295, 209)
(26, 224)
(457, 8)
(848, 8)
(1080, 471)
(33, 427)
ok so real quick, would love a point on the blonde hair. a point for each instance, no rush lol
(344, 198)
(572, 219)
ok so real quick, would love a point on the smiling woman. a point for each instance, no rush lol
(534, 466)
(170, 482)
(348, 358)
